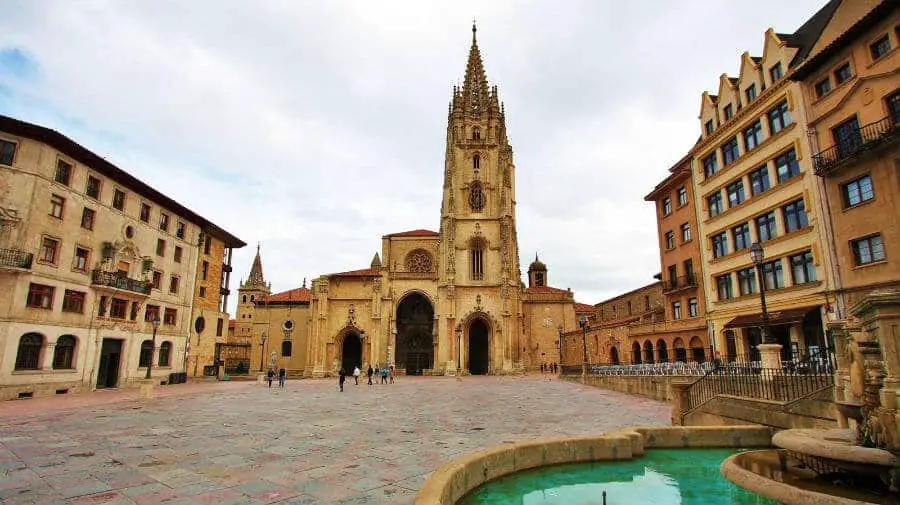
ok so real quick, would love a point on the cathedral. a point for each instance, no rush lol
(443, 302)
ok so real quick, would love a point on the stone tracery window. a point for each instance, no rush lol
(476, 162)
(476, 197)
(419, 261)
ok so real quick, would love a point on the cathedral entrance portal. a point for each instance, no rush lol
(351, 353)
(478, 352)
(415, 340)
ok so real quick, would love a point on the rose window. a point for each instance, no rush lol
(419, 261)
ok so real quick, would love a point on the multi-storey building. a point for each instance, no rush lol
(851, 88)
(754, 182)
(89, 257)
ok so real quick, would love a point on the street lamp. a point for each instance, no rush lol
(155, 323)
(757, 255)
(583, 322)
(262, 350)
(458, 348)
(559, 330)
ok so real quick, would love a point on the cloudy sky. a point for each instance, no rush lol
(317, 127)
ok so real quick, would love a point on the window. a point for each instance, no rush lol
(730, 152)
(163, 221)
(893, 105)
(750, 93)
(87, 219)
(759, 180)
(823, 87)
(170, 316)
(629, 307)
(117, 308)
(63, 172)
(178, 253)
(670, 240)
(710, 165)
(49, 250)
(667, 206)
(93, 187)
(673, 275)
(685, 232)
(880, 47)
(146, 354)
(56, 206)
(160, 247)
(134, 311)
(720, 244)
(728, 111)
(220, 324)
(73, 301)
(476, 162)
(40, 296)
(689, 270)
(204, 270)
(723, 287)
(476, 133)
(173, 284)
(682, 196)
(145, 213)
(740, 236)
(775, 72)
(772, 274)
(179, 230)
(868, 250)
(476, 197)
(150, 312)
(646, 303)
(794, 215)
(786, 166)
(101, 307)
(157, 280)
(746, 281)
(802, 268)
(64, 353)
(692, 307)
(206, 245)
(29, 352)
(714, 204)
(709, 127)
(846, 136)
(857, 191)
(843, 74)
(7, 152)
(779, 118)
(286, 348)
(676, 310)
(765, 227)
(202, 291)
(735, 192)
(118, 202)
(753, 136)
(80, 261)
(477, 259)
(165, 350)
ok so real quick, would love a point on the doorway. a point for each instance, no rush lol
(415, 335)
(479, 350)
(108, 370)
(351, 353)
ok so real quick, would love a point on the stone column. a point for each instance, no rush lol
(879, 313)
(770, 355)
(681, 400)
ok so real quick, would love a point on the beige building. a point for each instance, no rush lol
(89, 256)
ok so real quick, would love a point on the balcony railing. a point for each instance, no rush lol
(13, 258)
(868, 137)
(685, 281)
(119, 281)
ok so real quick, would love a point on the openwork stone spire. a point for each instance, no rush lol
(476, 95)
(256, 272)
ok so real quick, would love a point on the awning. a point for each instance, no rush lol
(790, 316)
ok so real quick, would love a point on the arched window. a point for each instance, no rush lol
(477, 259)
(64, 352)
(614, 355)
(286, 348)
(165, 353)
(146, 353)
(476, 197)
(476, 161)
(244, 299)
(648, 352)
(476, 133)
(698, 353)
(29, 355)
(252, 298)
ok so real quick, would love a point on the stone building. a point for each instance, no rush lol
(431, 302)
(89, 256)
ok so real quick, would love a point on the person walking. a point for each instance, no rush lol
(270, 376)
(282, 374)
(369, 373)
(341, 380)
(391, 373)
(384, 372)
(542, 368)
(356, 375)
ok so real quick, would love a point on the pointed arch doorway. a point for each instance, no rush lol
(351, 352)
(415, 339)
(478, 350)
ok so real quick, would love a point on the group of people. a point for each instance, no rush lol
(548, 367)
(386, 373)
(282, 375)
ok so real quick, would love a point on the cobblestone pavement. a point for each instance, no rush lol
(243, 443)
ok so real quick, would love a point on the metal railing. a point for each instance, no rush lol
(684, 281)
(118, 280)
(867, 137)
(14, 258)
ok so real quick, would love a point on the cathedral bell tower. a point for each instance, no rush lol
(248, 293)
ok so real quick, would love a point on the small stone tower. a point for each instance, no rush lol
(537, 273)
(255, 288)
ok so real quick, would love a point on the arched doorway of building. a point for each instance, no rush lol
(614, 356)
(636, 353)
(662, 351)
(351, 352)
(415, 340)
(479, 350)
(648, 352)
(680, 352)
(698, 353)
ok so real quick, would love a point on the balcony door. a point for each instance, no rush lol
(847, 137)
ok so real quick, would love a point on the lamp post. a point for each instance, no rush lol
(458, 348)
(559, 331)
(262, 350)
(583, 322)
(757, 255)
(155, 323)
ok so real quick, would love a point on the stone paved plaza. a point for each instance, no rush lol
(239, 442)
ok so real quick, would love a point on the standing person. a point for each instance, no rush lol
(356, 374)
(270, 376)
(391, 373)
(369, 373)
(282, 374)
(342, 379)
(384, 373)
(542, 368)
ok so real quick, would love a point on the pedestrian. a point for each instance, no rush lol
(270, 376)
(342, 379)
(384, 373)
(554, 368)
(369, 373)
(282, 374)
(542, 368)
(391, 373)
(356, 374)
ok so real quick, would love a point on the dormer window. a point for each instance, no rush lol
(750, 92)
(476, 133)
(775, 72)
(709, 127)
(728, 111)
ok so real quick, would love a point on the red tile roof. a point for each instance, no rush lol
(546, 290)
(414, 233)
(291, 295)
(366, 272)
(583, 307)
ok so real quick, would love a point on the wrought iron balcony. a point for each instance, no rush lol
(14, 258)
(868, 137)
(118, 280)
(683, 282)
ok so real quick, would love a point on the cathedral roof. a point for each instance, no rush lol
(366, 272)
(256, 274)
(583, 307)
(547, 290)
(299, 295)
(414, 233)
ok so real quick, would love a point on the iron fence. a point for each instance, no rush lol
(684, 281)
(14, 258)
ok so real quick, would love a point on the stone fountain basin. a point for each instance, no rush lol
(838, 446)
